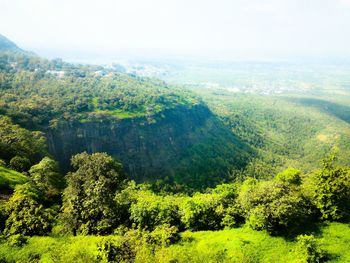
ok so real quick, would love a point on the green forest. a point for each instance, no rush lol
(102, 166)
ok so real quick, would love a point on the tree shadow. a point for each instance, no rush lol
(335, 109)
(308, 228)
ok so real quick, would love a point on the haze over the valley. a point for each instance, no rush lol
(223, 29)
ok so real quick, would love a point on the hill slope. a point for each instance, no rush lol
(156, 130)
(6, 44)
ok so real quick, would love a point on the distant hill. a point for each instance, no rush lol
(6, 44)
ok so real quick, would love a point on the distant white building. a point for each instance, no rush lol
(57, 73)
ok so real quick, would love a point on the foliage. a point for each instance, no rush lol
(88, 206)
(20, 164)
(46, 177)
(19, 145)
(274, 205)
(151, 211)
(10, 178)
(26, 216)
(289, 176)
(332, 190)
(165, 235)
(308, 249)
(115, 250)
(235, 245)
(16, 240)
(202, 212)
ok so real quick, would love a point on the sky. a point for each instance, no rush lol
(205, 28)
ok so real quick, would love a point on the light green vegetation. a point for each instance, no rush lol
(234, 245)
(246, 245)
(10, 178)
(95, 213)
(38, 92)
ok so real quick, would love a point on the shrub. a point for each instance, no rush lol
(151, 211)
(233, 216)
(116, 250)
(332, 190)
(20, 164)
(164, 235)
(16, 240)
(275, 205)
(308, 249)
(26, 215)
(2, 163)
(290, 176)
(47, 178)
(202, 212)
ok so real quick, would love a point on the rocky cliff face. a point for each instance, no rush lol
(147, 150)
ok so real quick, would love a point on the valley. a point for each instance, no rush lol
(107, 164)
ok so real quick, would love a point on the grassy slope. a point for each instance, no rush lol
(9, 178)
(246, 245)
(235, 245)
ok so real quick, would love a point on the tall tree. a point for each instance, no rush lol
(46, 177)
(88, 205)
(332, 190)
(26, 215)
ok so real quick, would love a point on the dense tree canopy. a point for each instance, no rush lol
(332, 190)
(47, 178)
(88, 201)
(26, 214)
(24, 146)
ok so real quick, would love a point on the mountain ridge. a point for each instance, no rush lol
(7, 44)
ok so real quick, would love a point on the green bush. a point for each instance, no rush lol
(20, 164)
(164, 235)
(151, 211)
(290, 176)
(275, 205)
(46, 177)
(26, 216)
(308, 250)
(332, 190)
(17, 240)
(111, 249)
(202, 212)
(233, 216)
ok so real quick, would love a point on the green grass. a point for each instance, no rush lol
(233, 245)
(246, 245)
(49, 249)
(10, 178)
(335, 239)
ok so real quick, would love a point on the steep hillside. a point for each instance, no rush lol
(6, 44)
(157, 131)
(178, 142)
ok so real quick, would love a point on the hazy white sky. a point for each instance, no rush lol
(213, 28)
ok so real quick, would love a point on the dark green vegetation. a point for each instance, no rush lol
(172, 145)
